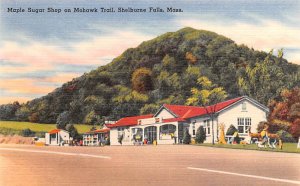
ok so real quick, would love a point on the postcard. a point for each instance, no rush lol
(152, 92)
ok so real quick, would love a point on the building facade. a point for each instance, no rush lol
(57, 137)
(169, 123)
(96, 137)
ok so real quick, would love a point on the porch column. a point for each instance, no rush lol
(57, 138)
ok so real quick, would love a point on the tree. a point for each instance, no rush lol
(200, 135)
(34, 117)
(90, 118)
(7, 112)
(23, 113)
(62, 120)
(191, 58)
(186, 137)
(208, 94)
(285, 114)
(264, 80)
(73, 131)
(141, 80)
(149, 109)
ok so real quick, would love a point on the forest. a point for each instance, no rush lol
(182, 67)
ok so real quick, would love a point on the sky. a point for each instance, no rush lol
(41, 51)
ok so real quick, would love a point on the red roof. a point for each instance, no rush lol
(99, 131)
(129, 121)
(54, 131)
(192, 111)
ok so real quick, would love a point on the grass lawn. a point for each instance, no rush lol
(287, 147)
(38, 127)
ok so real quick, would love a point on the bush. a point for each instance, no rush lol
(200, 135)
(231, 130)
(286, 137)
(9, 131)
(186, 137)
(27, 133)
(237, 139)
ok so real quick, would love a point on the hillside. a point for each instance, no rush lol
(162, 70)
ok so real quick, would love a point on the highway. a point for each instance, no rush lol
(145, 165)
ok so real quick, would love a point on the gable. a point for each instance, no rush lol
(164, 113)
(246, 104)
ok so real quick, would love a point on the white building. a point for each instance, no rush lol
(96, 137)
(168, 124)
(57, 137)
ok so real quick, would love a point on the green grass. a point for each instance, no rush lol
(37, 127)
(287, 147)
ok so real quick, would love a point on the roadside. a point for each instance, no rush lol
(287, 147)
(15, 139)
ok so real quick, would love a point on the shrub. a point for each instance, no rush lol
(186, 137)
(231, 130)
(286, 137)
(27, 133)
(200, 135)
(9, 131)
(237, 139)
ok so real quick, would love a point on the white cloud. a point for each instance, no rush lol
(39, 57)
(264, 36)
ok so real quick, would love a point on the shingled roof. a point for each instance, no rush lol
(129, 121)
(185, 112)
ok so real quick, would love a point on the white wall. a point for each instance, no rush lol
(165, 114)
(64, 135)
(114, 137)
(230, 115)
(47, 138)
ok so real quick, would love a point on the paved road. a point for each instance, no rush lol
(145, 165)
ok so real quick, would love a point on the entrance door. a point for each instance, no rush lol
(151, 133)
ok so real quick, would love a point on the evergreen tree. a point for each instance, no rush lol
(186, 137)
(200, 135)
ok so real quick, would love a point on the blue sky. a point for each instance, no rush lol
(40, 51)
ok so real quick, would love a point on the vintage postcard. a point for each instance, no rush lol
(149, 92)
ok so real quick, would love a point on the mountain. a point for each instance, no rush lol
(162, 70)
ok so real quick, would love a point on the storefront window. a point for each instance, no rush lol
(167, 131)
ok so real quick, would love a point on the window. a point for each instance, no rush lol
(207, 126)
(244, 106)
(243, 124)
(167, 131)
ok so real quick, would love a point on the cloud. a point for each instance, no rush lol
(37, 68)
(11, 99)
(24, 86)
(269, 34)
